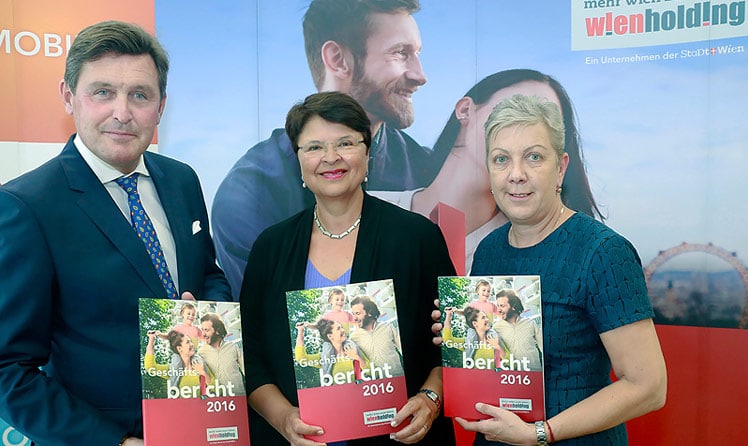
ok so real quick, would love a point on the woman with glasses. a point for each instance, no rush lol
(347, 236)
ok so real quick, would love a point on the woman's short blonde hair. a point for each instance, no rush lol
(527, 110)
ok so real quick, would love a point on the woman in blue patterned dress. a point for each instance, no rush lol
(596, 312)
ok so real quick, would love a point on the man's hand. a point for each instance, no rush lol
(188, 296)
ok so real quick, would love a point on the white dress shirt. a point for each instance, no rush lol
(148, 197)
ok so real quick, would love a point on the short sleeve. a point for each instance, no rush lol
(617, 289)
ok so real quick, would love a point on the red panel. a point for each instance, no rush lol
(707, 389)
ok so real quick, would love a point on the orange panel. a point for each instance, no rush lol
(39, 33)
(8, 116)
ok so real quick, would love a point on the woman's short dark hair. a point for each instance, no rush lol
(332, 106)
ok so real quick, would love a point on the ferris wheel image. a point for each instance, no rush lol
(729, 257)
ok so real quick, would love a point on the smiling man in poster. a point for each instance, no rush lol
(368, 49)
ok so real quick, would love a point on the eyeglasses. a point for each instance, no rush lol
(342, 146)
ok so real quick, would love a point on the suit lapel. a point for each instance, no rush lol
(366, 250)
(97, 205)
(173, 201)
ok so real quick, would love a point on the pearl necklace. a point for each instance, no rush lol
(330, 234)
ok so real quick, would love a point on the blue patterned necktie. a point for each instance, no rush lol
(144, 228)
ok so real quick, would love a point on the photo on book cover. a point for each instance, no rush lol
(492, 345)
(192, 371)
(347, 358)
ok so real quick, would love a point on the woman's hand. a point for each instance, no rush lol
(300, 327)
(421, 412)
(448, 312)
(293, 429)
(351, 352)
(494, 340)
(494, 343)
(269, 402)
(199, 366)
(150, 348)
(504, 426)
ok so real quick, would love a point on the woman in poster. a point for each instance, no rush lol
(338, 353)
(462, 181)
(596, 312)
(483, 342)
(347, 237)
(191, 373)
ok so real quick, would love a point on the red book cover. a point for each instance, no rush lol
(347, 358)
(192, 370)
(492, 348)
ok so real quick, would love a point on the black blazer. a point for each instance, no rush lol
(392, 244)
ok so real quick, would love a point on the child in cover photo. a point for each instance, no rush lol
(337, 312)
(481, 302)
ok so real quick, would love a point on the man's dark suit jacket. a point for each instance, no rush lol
(71, 272)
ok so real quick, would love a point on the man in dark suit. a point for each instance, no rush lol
(72, 267)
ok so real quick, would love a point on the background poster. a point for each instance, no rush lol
(661, 131)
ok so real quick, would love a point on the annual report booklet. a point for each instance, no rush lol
(347, 358)
(192, 371)
(492, 345)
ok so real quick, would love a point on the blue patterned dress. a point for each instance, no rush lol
(591, 282)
